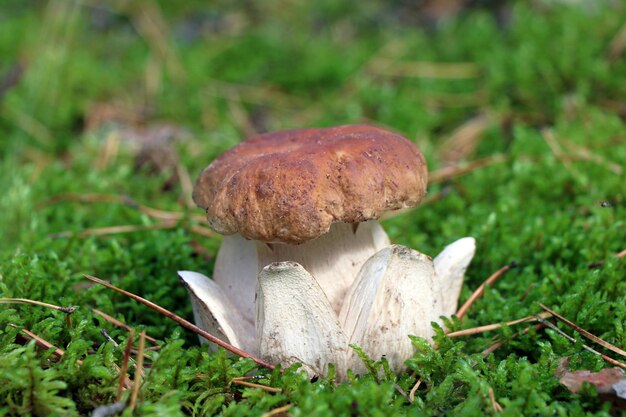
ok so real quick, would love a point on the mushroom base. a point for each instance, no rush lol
(397, 292)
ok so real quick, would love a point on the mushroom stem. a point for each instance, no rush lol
(236, 269)
(333, 259)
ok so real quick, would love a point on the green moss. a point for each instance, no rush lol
(556, 205)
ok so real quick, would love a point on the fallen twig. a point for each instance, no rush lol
(557, 151)
(186, 185)
(108, 337)
(123, 200)
(489, 327)
(400, 390)
(464, 140)
(421, 69)
(242, 381)
(113, 230)
(253, 94)
(580, 153)
(108, 151)
(600, 264)
(169, 219)
(240, 116)
(124, 368)
(186, 324)
(497, 408)
(445, 174)
(278, 410)
(481, 290)
(589, 349)
(118, 323)
(200, 230)
(414, 390)
(152, 27)
(42, 343)
(497, 344)
(138, 371)
(584, 332)
(66, 310)
(617, 44)
(576, 153)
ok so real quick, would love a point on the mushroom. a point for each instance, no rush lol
(299, 213)
(306, 196)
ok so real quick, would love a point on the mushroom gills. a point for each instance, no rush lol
(214, 312)
(295, 322)
(395, 294)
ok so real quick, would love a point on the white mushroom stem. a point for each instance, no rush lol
(296, 323)
(236, 269)
(334, 259)
(396, 294)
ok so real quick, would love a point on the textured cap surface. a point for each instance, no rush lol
(291, 186)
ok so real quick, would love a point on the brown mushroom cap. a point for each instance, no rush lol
(291, 186)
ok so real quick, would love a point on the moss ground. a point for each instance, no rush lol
(536, 91)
